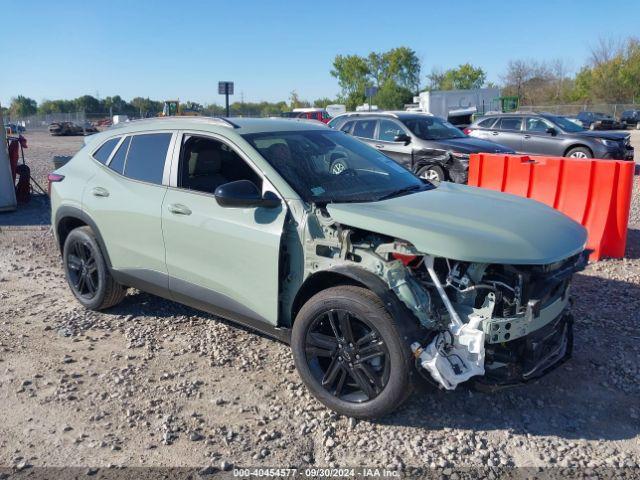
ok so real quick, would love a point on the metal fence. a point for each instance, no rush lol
(42, 122)
(614, 109)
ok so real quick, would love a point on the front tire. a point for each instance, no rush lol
(579, 152)
(433, 173)
(350, 353)
(87, 273)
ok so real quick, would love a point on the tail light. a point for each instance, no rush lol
(51, 178)
(467, 131)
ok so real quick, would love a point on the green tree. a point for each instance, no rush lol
(22, 106)
(392, 96)
(394, 70)
(296, 102)
(323, 102)
(463, 77)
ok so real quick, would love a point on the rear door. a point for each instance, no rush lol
(538, 141)
(507, 131)
(365, 130)
(216, 256)
(124, 199)
(398, 151)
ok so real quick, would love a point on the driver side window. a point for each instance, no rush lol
(388, 131)
(205, 164)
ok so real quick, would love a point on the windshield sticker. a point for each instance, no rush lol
(317, 191)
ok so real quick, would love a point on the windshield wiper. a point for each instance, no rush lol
(401, 191)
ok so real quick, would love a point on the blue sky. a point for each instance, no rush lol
(180, 49)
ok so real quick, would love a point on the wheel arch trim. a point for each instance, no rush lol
(67, 211)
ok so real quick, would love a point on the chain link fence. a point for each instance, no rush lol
(42, 122)
(614, 109)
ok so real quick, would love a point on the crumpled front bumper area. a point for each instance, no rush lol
(529, 357)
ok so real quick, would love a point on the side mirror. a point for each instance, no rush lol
(402, 137)
(551, 131)
(244, 194)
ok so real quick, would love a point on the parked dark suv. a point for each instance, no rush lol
(599, 121)
(547, 134)
(427, 145)
(631, 118)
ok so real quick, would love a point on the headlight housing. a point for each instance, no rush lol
(608, 143)
(460, 156)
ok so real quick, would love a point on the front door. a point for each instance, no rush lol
(538, 141)
(217, 257)
(124, 199)
(398, 151)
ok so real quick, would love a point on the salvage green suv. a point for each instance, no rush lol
(370, 273)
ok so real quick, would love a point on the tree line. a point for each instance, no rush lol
(611, 75)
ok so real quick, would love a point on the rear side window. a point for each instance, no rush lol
(103, 153)
(117, 162)
(509, 123)
(487, 122)
(347, 127)
(147, 153)
(364, 128)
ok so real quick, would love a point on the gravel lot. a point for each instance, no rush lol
(153, 383)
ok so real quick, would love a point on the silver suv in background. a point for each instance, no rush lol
(429, 146)
(547, 134)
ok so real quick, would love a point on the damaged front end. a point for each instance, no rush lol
(504, 323)
(499, 324)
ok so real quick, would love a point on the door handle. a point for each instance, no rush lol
(379, 147)
(100, 192)
(527, 136)
(179, 209)
(494, 133)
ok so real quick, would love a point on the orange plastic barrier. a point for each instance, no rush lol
(595, 193)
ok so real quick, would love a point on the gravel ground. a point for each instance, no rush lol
(154, 383)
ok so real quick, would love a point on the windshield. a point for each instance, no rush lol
(329, 166)
(566, 125)
(432, 128)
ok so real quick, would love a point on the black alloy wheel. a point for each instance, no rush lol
(347, 356)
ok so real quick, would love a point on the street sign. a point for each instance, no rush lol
(225, 88)
(370, 91)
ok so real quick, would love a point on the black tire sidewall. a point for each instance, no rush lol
(398, 386)
(85, 235)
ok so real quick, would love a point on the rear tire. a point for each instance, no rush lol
(87, 273)
(350, 354)
(433, 173)
(579, 152)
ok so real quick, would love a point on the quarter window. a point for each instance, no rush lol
(509, 123)
(487, 122)
(388, 131)
(364, 128)
(103, 153)
(146, 157)
(117, 162)
(347, 127)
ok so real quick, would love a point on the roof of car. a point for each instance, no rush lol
(239, 125)
(399, 114)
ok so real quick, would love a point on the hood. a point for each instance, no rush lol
(470, 224)
(618, 136)
(470, 145)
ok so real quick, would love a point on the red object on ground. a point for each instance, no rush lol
(14, 155)
(595, 193)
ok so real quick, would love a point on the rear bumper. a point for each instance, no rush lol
(528, 358)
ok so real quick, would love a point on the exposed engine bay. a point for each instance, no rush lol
(477, 319)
